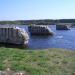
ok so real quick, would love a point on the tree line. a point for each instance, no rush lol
(38, 22)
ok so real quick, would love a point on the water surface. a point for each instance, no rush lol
(61, 39)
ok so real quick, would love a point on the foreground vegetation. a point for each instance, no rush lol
(38, 62)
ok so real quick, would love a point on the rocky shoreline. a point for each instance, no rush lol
(8, 71)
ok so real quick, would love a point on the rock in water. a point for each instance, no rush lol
(62, 27)
(40, 30)
(13, 35)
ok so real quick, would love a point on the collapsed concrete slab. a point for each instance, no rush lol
(40, 30)
(13, 35)
(62, 27)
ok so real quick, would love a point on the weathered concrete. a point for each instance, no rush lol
(72, 26)
(40, 30)
(62, 27)
(13, 35)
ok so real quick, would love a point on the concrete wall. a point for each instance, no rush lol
(13, 35)
(62, 27)
(40, 30)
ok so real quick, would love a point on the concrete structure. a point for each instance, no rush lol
(40, 30)
(13, 35)
(62, 27)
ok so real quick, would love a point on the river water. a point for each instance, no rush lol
(61, 39)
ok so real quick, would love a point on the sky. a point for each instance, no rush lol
(37, 9)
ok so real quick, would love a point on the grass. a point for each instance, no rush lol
(38, 62)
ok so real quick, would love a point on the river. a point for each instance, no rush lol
(61, 39)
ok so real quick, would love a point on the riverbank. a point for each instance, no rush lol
(38, 62)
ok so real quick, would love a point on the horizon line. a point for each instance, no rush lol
(37, 19)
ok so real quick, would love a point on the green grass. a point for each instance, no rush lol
(38, 62)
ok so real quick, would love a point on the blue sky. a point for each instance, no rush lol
(36, 9)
